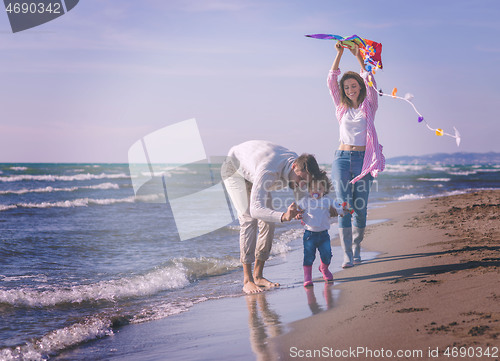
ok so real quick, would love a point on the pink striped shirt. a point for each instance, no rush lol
(374, 160)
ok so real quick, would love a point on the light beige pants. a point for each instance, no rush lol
(256, 236)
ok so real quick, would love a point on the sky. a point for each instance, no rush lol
(89, 84)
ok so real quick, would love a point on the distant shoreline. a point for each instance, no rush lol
(457, 158)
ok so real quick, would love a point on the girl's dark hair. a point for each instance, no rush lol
(362, 91)
(323, 178)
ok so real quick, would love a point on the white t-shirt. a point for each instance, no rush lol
(353, 127)
(267, 166)
(316, 216)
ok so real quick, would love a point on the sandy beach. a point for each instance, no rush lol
(432, 293)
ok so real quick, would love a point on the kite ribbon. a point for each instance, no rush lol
(408, 97)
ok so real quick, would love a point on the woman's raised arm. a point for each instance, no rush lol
(340, 51)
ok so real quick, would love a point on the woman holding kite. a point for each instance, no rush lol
(359, 157)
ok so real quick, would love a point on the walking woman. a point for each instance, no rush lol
(359, 157)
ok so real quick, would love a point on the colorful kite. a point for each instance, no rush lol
(371, 52)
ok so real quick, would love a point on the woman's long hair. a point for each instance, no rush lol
(362, 88)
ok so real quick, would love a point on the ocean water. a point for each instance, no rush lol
(81, 254)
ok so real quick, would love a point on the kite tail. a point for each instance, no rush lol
(421, 119)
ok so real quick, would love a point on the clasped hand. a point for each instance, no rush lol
(354, 49)
(293, 212)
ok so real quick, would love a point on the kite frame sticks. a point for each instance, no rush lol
(371, 52)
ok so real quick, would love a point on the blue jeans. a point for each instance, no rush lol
(319, 241)
(346, 166)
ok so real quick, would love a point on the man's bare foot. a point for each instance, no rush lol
(250, 287)
(263, 282)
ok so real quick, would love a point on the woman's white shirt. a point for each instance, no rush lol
(353, 127)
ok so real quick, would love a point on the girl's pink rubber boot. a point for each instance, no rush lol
(327, 275)
(308, 276)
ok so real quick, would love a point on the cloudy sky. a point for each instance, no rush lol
(86, 86)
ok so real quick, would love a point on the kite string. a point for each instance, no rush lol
(421, 117)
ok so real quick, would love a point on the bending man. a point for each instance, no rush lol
(251, 171)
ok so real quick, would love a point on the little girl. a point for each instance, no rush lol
(316, 221)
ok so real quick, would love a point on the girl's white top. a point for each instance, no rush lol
(353, 127)
(316, 216)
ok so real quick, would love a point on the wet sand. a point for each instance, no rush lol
(434, 289)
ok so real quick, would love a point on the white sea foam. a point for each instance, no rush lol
(58, 340)
(281, 245)
(83, 202)
(19, 168)
(173, 276)
(91, 328)
(404, 186)
(142, 285)
(201, 267)
(399, 168)
(102, 186)
(5, 207)
(165, 310)
(489, 169)
(410, 196)
(64, 178)
(462, 172)
(454, 193)
(439, 168)
(434, 179)
(407, 197)
(35, 277)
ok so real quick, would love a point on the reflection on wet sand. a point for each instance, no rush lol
(264, 322)
(313, 303)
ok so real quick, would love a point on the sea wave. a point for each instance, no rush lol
(400, 168)
(83, 202)
(177, 274)
(102, 186)
(281, 244)
(434, 179)
(457, 192)
(58, 340)
(411, 196)
(158, 280)
(36, 277)
(6, 207)
(403, 186)
(462, 172)
(64, 178)
(439, 168)
(91, 328)
(486, 170)
(164, 310)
